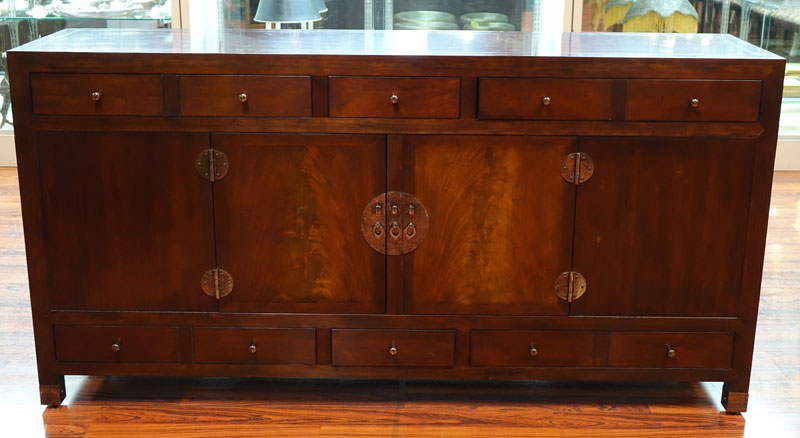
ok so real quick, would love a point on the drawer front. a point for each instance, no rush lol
(246, 96)
(413, 348)
(259, 346)
(523, 348)
(671, 100)
(117, 95)
(116, 344)
(652, 350)
(544, 99)
(430, 98)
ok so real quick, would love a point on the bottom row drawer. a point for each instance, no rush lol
(670, 350)
(116, 344)
(383, 348)
(257, 346)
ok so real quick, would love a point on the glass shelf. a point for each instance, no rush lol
(146, 10)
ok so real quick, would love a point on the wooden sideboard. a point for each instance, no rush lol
(410, 205)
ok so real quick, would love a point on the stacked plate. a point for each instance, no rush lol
(485, 21)
(412, 20)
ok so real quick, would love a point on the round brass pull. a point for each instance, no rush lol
(534, 351)
(96, 96)
(694, 103)
(670, 351)
(546, 101)
(243, 97)
(394, 99)
(115, 346)
(252, 348)
(393, 350)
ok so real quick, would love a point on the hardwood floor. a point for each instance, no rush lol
(192, 407)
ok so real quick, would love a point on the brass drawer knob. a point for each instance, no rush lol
(393, 350)
(243, 97)
(670, 351)
(694, 103)
(96, 96)
(394, 99)
(115, 346)
(546, 101)
(534, 351)
(252, 348)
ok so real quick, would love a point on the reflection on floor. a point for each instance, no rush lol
(189, 407)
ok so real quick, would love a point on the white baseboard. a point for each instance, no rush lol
(788, 155)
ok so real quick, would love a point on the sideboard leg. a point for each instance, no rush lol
(734, 402)
(52, 392)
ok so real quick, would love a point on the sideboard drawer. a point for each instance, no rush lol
(97, 94)
(244, 345)
(524, 348)
(116, 344)
(400, 97)
(670, 350)
(544, 99)
(245, 95)
(410, 348)
(693, 100)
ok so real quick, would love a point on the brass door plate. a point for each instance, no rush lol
(570, 286)
(577, 168)
(394, 223)
(217, 283)
(211, 164)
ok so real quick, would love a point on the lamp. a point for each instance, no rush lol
(321, 6)
(275, 12)
(665, 16)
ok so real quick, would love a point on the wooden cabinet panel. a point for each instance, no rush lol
(361, 96)
(544, 99)
(412, 348)
(670, 350)
(116, 344)
(118, 95)
(656, 225)
(128, 220)
(264, 96)
(672, 100)
(252, 345)
(288, 222)
(500, 224)
(526, 348)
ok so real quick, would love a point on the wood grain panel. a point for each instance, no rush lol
(136, 344)
(500, 224)
(274, 345)
(692, 350)
(267, 96)
(128, 220)
(736, 101)
(362, 96)
(522, 99)
(512, 348)
(120, 94)
(666, 214)
(288, 223)
(415, 348)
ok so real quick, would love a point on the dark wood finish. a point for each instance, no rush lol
(414, 348)
(734, 401)
(134, 344)
(267, 96)
(485, 196)
(522, 99)
(120, 95)
(272, 346)
(128, 220)
(736, 101)
(658, 207)
(362, 96)
(288, 223)
(512, 348)
(649, 350)
(646, 284)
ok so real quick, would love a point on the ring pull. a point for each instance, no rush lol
(411, 230)
(395, 230)
(377, 228)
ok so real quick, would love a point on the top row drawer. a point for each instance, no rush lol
(400, 97)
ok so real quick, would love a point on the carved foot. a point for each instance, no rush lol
(53, 395)
(734, 402)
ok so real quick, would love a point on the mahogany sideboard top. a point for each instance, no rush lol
(395, 204)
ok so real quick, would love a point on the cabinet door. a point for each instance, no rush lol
(288, 222)
(660, 227)
(127, 220)
(499, 228)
